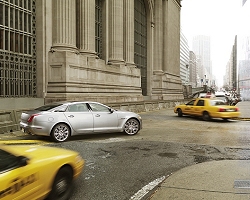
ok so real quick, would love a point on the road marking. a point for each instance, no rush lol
(110, 140)
(142, 192)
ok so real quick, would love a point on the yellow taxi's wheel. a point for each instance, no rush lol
(179, 112)
(206, 116)
(62, 186)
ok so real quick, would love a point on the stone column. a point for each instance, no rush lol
(128, 31)
(158, 46)
(115, 32)
(165, 35)
(87, 27)
(64, 25)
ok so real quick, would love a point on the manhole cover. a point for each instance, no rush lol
(242, 184)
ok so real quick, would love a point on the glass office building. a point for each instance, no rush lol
(243, 51)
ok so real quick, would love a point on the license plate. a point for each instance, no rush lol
(230, 110)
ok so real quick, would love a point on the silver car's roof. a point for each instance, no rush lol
(47, 107)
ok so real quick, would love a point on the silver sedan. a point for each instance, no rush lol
(62, 120)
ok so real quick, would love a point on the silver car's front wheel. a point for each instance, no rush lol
(60, 132)
(132, 126)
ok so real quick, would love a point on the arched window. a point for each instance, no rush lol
(98, 27)
(141, 42)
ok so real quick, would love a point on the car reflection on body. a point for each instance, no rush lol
(208, 108)
(231, 100)
(37, 172)
(62, 120)
(223, 98)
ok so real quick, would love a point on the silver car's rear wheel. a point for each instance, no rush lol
(60, 132)
(132, 126)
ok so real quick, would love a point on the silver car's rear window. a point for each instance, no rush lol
(48, 107)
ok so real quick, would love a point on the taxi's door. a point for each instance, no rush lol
(199, 107)
(188, 109)
(19, 180)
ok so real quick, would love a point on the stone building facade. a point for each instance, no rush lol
(102, 50)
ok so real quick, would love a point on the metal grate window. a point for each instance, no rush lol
(141, 42)
(98, 27)
(17, 48)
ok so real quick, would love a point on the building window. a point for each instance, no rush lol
(17, 48)
(141, 42)
(98, 27)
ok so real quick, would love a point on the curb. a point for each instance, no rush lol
(242, 119)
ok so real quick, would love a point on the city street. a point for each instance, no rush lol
(118, 166)
(138, 56)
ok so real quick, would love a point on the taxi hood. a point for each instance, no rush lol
(36, 151)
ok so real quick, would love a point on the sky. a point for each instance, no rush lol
(218, 19)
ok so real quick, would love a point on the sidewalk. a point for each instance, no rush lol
(219, 180)
(244, 107)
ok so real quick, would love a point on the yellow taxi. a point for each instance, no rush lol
(207, 108)
(37, 172)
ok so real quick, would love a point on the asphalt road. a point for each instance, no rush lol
(121, 167)
(118, 166)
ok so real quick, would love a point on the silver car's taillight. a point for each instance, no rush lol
(31, 118)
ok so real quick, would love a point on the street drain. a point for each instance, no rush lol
(169, 155)
(244, 184)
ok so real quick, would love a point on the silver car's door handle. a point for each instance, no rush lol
(97, 115)
(71, 116)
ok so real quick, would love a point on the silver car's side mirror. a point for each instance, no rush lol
(111, 110)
